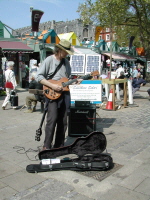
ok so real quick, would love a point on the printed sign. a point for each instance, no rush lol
(148, 66)
(88, 90)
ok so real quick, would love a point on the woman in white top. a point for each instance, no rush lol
(120, 69)
(9, 76)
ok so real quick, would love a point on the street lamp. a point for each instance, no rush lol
(31, 8)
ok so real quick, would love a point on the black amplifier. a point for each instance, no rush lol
(82, 103)
(82, 120)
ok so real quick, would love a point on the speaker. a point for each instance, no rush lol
(82, 103)
(82, 120)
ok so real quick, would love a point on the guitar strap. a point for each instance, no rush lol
(56, 70)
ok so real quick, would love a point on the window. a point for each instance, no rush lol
(85, 32)
(107, 37)
(107, 29)
(114, 36)
(53, 40)
(100, 37)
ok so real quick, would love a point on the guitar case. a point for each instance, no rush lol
(88, 151)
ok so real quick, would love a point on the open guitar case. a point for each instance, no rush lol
(88, 155)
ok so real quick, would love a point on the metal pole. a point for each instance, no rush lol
(110, 51)
(31, 8)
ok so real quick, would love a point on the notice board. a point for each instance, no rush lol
(88, 90)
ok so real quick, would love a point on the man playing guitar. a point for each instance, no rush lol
(57, 108)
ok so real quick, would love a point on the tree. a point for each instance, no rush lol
(104, 13)
(129, 17)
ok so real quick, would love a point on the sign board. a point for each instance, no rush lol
(148, 66)
(77, 62)
(85, 63)
(93, 63)
(88, 90)
(36, 17)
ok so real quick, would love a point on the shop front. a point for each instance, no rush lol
(18, 52)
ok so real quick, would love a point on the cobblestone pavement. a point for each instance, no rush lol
(128, 140)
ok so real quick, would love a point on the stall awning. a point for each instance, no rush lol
(120, 57)
(83, 50)
(15, 47)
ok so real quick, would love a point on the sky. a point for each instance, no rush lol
(16, 13)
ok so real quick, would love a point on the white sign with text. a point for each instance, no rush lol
(88, 90)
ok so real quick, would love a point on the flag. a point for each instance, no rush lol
(140, 51)
(36, 16)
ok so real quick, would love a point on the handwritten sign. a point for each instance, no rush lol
(88, 90)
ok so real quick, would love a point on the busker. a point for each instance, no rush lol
(10, 78)
(56, 109)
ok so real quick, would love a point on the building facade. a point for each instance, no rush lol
(83, 32)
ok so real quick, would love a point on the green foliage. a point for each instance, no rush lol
(128, 17)
(2, 91)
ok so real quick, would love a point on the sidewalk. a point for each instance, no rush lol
(128, 140)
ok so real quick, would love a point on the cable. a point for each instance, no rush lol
(21, 150)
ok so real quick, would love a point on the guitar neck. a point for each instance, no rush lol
(74, 80)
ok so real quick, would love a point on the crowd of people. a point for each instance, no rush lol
(135, 73)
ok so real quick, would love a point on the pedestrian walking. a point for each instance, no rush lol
(10, 83)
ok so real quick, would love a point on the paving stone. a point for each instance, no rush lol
(8, 168)
(128, 140)
(22, 180)
(6, 193)
(133, 181)
(121, 193)
(48, 190)
(2, 185)
(144, 187)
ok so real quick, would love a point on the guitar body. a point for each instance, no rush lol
(52, 94)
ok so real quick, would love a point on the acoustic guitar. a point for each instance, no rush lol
(53, 95)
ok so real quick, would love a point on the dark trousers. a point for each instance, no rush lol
(56, 123)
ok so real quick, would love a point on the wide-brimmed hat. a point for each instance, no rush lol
(65, 45)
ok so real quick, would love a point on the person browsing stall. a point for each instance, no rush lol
(56, 109)
(137, 83)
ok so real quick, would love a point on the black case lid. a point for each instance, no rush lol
(94, 143)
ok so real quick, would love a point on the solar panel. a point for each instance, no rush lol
(93, 63)
(77, 62)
